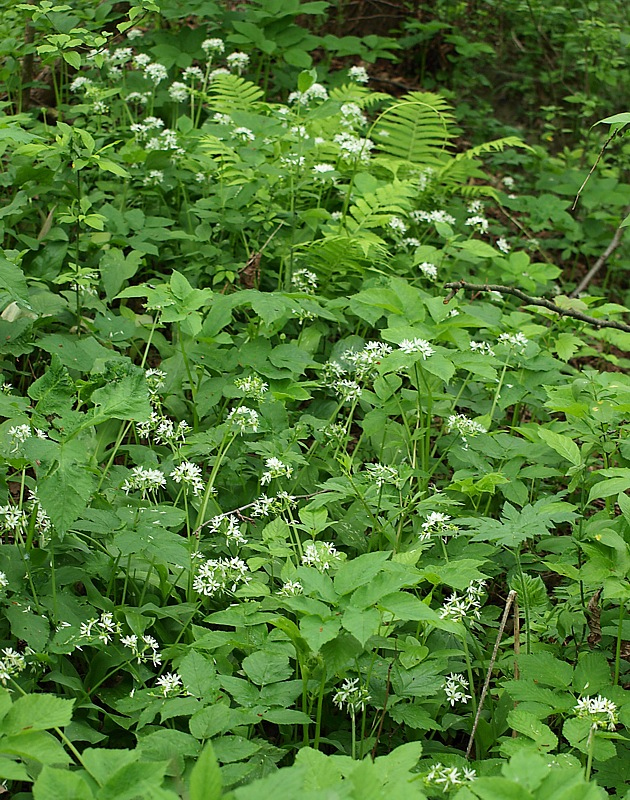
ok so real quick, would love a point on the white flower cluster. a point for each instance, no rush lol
(144, 480)
(352, 696)
(237, 61)
(219, 575)
(178, 92)
(252, 386)
(170, 684)
(365, 362)
(465, 427)
(438, 215)
(275, 468)
(244, 134)
(103, 628)
(155, 381)
(321, 555)
(156, 73)
(4, 581)
(416, 345)
(447, 778)
(229, 525)
(291, 589)
(483, 348)
(397, 225)
(428, 269)
(477, 222)
(11, 664)
(18, 434)
(12, 520)
(192, 74)
(455, 688)
(381, 474)
(438, 524)
(353, 147)
(267, 506)
(457, 607)
(144, 649)
(359, 74)
(514, 340)
(154, 178)
(314, 92)
(139, 98)
(503, 245)
(189, 475)
(352, 116)
(244, 419)
(303, 280)
(142, 130)
(213, 46)
(347, 390)
(164, 430)
(600, 711)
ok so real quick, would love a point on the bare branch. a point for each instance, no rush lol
(614, 244)
(455, 286)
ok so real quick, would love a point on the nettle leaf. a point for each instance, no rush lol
(263, 667)
(125, 396)
(54, 391)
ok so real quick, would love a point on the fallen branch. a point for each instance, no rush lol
(614, 244)
(455, 286)
(484, 691)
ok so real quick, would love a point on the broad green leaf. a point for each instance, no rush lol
(608, 487)
(205, 777)
(199, 675)
(126, 395)
(28, 626)
(407, 606)
(37, 712)
(361, 623)
(529, 725)
(563, 445)
(54, 391)
(133, 781)
(53, 784)
(579, 734)
(359, 571)
(316, 631)
(263, 667)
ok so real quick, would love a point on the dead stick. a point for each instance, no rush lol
(493, 658)
(380, 724)
(614, 244)
(535, 301)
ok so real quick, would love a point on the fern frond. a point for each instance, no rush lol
(375, 209)
(417, 128)
(356, 254)
(494, 146)
(352, 93)
(228, 93)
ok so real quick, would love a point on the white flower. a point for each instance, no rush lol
(475, 207)
(347, 390)
(217, 72)
(147, 649)
(382, 474)
(503, 245)
(80, 82)
(508, 182)
(455, 688)
(212, 46)
(601, 711)
(189, 474)
(437, 523)
(103, 628)
(303, 280)
(13, 520)
(144, 480)
(322, 172)
(515, 340)
(428, 269)
(4, 581)
(416, 345)
(457, 607)
(154, 178)
(244, 419)
(314, 92)
(447, 778)
(237, 61)
(410, 241)
(222, 119)
(353, 146)
(141, 61)
(134, 33)
(477, 222)
(437, 215)
(170, 683)
(156, 73)
(358, 74)
(351, 115)
(291, 589)
(178, 92)
(352, 696)
(275, 469)
(193, 74)
(321, 555)
(365, 362)
(244, 133)
(481, 347)
(18, 434)
(11, 664)
(140, 98)
(216, 576)
(397, 225)
(252, 386)
(464, 426)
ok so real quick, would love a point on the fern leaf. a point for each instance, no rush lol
(417, 129)
(228, 93)
(375, 209)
